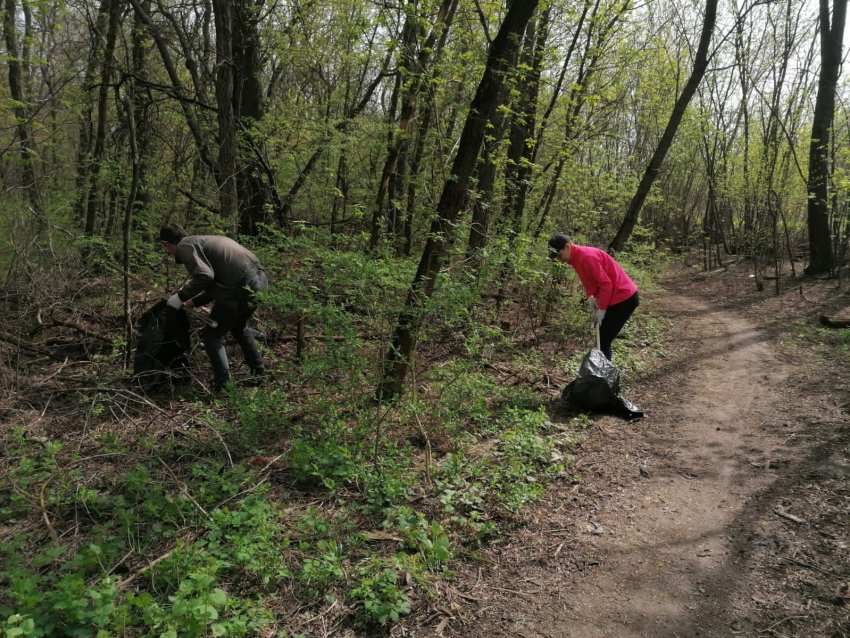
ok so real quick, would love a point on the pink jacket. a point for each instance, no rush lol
(601, 276)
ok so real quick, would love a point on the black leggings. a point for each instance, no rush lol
(615, 318)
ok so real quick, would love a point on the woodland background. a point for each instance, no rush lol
(398, 167)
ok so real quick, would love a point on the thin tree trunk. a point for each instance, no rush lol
(130, 111)
(94, 199)
(522, 131)
(423, 129)
(84, 148)
(16, 90)
(442, 21)
(578, 95)
(700, 65)
(397, 177)
(285, 212)
(141, 102)
(167, 61)
(455, 190)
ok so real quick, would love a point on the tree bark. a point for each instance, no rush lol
(654, 167)
(130, 110)
(93, 197)
(455, 190)
(407, 108)
(16, 90)
(831, 37)
(248, 102)
(225, 168)
(84, 148)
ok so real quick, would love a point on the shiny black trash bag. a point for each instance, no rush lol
(597, 389)
(163, 347)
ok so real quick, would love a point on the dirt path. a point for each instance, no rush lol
(669, 561)
(666, 547)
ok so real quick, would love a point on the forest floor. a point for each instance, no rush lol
(726, 512)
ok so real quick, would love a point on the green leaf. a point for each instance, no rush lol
(218, 629)
(206, 612)
(217, 597)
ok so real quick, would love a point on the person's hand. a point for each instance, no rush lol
(593, 302)
(189, 304)
(174, 302)
(598, 317)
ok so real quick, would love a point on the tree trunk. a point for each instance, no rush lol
(427, 118)
(521, 148)
(93, 197)
(700, 65)
(188, 112)
(578, 95)
(407, 108)
(482, 205)
(831, 37)
(248, 104)
(16, 90)
(141, 121)
(130, 110)
(84, 148)
(226, 165)
(397, 179)
(455, 190)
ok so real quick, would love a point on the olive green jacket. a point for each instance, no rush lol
(220, 269)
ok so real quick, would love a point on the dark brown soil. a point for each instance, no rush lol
(726, 512)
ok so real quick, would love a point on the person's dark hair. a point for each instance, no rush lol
(172, 233)
(557, 243)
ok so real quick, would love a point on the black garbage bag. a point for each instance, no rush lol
(163, 347)
(597, 389)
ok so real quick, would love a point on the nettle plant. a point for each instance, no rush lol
(80, 586)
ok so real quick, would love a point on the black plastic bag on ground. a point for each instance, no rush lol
(597, 389)
(163, 348)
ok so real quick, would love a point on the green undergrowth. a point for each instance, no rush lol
(176, 547)
(830, 341)
(311, 497)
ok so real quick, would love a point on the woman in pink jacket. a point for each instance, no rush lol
(612, 295)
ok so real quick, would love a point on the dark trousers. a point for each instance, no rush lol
(235, 321)
(615, 318)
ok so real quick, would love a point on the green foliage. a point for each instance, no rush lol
(464, 394)
(377, 593)
(835, 342)
(68, 590)
(262, 412)
(324, 462)
(320, 572)
(393, 482)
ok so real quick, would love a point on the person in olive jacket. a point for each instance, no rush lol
(228, 274)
